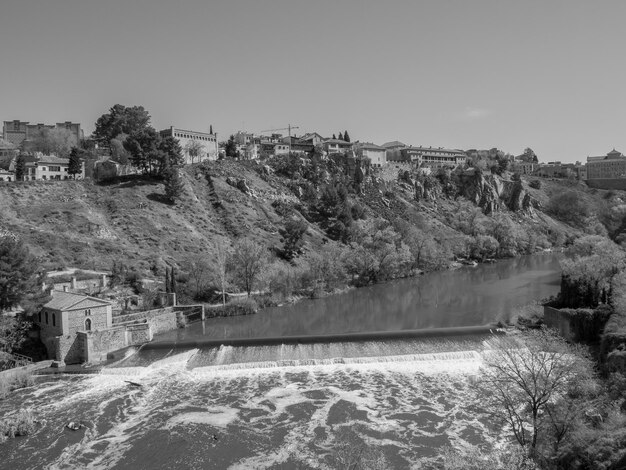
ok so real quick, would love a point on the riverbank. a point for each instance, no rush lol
(478, 297)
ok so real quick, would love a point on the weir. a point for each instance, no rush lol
(433, 345)
(330, 338)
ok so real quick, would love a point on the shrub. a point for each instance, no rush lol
(536, 184)
(20, 424)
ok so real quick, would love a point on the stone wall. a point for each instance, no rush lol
(10, 374)
(558, 320)
(97, 344)
(138, 334)
(98, 315)
(165, 321)
(608, 183)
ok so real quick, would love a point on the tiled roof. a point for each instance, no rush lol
(66, 300)
(371, 146)
(54, 159)
(336, 141)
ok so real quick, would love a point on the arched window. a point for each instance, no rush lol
(88, 324)
(39, 317)
(54, 320)
(46, 318)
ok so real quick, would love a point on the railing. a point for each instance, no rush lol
(15, 360)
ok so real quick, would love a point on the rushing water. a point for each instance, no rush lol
(289, 405)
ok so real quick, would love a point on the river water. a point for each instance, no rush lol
(291, 405)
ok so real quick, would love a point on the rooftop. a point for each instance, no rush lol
(53, 159)
(337, 141)
(66, 300)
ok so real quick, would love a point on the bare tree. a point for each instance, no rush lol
(194, 149)
(523, 382)
(247, 260)
(221, 258)
(198, 271)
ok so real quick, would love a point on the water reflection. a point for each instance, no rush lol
(463, 297)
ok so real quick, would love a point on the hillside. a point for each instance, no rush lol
(88, 225)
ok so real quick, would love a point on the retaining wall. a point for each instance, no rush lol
(558, 320)
(11, 374)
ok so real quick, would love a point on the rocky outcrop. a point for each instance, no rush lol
(240, 184)
(492, 193)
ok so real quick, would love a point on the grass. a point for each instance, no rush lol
(21, 423)
(20, 379)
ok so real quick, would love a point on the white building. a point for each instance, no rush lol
(375, 153)
(196, 146)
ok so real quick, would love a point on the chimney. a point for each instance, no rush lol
(73, 282)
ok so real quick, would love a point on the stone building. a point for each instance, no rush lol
(64, 316)
(208, 143)
(609, 166)
(375, 153)
(17, 131)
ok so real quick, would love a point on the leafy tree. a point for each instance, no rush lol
(570, 207)
(231, 147)
(292, 238)
(247, 261)
(173, 183)
(55, 141)
(118, 152)
(20, 168)
(346, 137)
(195, 149)
(522, 382)
(75, 165)
(20, 283)
(152, 153)
(13, 333)
(142, 145)
(120, 120)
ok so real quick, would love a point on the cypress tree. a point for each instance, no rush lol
(75, 166)
(346, 137)
(167, 280)
(173, 281)
(340, 136)
(20, 168)
(211, 129)
(334, 137)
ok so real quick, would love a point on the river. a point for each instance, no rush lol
(286, 406)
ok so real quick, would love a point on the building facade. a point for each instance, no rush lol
(6, 175)
(17, 131)
(205, 143)
(336, 146)
(611, 165)
(64, 316)
(375, 153)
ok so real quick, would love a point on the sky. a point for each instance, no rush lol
(546, 74)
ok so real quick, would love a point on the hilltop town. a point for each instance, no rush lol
(46, 152)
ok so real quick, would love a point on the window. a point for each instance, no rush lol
(88, 324)
(46, 318)
(54, 319)
(88, 312)
(39, 317)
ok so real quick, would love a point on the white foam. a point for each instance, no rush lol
(220, 416)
